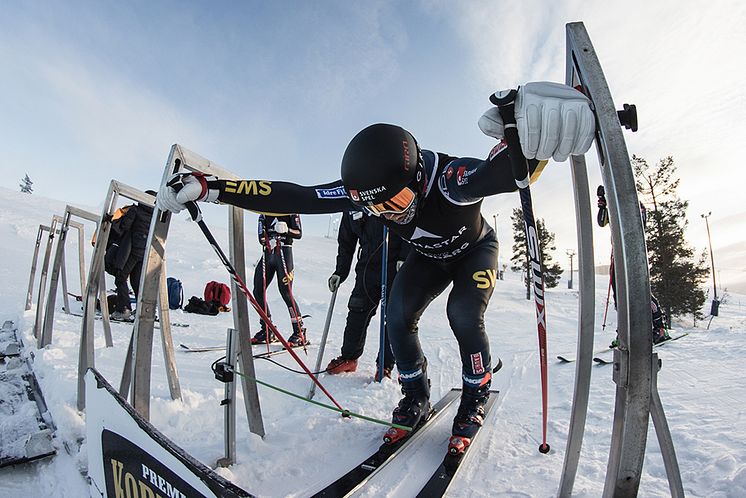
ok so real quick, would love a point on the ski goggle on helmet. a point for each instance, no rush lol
(382, 172)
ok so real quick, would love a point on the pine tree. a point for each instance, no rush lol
(676, 275)
(520, 259)
(25, 185)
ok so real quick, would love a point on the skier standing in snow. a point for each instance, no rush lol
(276, 235)
(358, 227)
(132, 238)
(659, 331)
(433, 201)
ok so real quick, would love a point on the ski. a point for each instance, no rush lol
(361, 473)
(267, 354)
(99, 317)
(603, 361)
(566, 359)
(200, 349)
(205, 349)
(441, 479)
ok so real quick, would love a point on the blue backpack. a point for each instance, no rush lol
(175, 293)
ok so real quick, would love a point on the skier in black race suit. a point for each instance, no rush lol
(432, 200)
(276, 235)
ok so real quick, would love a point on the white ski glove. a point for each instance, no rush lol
(281, 227)
(553, 120)
(194, 189)
(334, 282)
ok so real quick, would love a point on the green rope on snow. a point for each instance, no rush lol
(345, 413)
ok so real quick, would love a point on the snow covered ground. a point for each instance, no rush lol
(306, 447)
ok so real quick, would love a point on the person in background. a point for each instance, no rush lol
(132, 233)
(276, 235)
(359, 228)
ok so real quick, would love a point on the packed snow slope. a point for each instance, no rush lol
(306, 447)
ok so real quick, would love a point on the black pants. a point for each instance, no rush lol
(132, 270)
(422, 279)
(363, 303)
(273, 262)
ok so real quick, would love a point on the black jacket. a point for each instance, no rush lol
(128, 237)
(356, 228)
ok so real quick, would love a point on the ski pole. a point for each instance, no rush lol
(608, 292)
(505, 103)
(322, 346)
(196, 215)
(384, 276)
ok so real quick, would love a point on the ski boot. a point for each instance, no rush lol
(660, 335)
(470, 415)
(340, 365)
(614, 343)
(261, 336)
(299, 335)
(413, 408)
(123, 316)
(386, 373)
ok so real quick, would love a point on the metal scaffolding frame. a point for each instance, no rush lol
(35, 260)
(53, 229)
(635, 365)
(181, 159)
(58, 267)
(97, 283)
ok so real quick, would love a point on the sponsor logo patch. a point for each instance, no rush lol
(485, 278)
(369, 195)
(461, 178)
(249, 187)
(449, 172)
(354, 195)
(476, 363)
(331, 193)
(501, 146)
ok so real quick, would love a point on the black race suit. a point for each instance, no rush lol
(359, 228)
(277, 257)
(451, 240)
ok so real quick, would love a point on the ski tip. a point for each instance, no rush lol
(544, 448)
(498, 366)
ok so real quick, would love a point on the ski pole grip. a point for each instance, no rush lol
(505, 102)
(191, 206)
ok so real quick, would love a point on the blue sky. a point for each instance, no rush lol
(98, 90)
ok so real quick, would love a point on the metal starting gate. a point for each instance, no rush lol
(635, 364)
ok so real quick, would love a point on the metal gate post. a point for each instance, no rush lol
(34, 259)
(43, 279)
(57, 267)
(182, 159)
(633, 372)
(586, 318)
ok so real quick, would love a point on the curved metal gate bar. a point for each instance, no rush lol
(96, 284)
(181, 159)
(586, 324)
(633, 369)
(59, 266)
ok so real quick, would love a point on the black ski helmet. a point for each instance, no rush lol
(379, 162)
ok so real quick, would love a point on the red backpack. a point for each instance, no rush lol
(220, 293)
